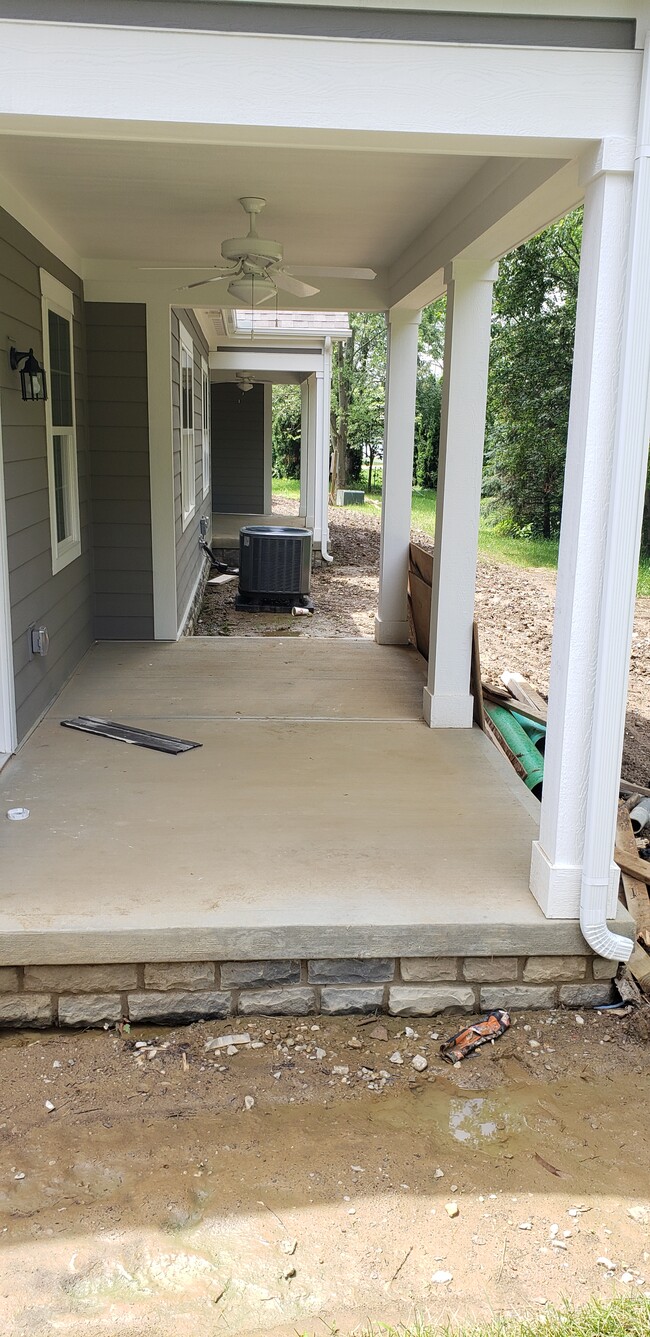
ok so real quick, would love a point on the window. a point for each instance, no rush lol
(188, 463)
(60, 424)
(205, 424)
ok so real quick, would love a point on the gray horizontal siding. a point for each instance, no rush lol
(237, 448)
(337, 21)
(62, 602)
(189, 557)
(119, 455)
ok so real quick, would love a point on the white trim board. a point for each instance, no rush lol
(8, 733)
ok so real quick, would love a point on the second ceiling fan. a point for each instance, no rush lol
(255, 272)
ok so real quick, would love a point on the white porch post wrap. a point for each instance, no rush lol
(391, 623)
(448, 703)
(556, 869)
(161, 470)
(318, 456)
(308, 455)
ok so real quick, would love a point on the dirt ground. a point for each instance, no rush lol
(145, 1198)
(514, 608)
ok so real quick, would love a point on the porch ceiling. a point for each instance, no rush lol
(166, 203)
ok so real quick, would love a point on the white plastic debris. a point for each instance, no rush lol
(20, 1175)
(249, 1101)
(49, 1106)
(639, 1213)
(419, 1063)
(17, 814)
(606, 1262)
(226, 1041)
(525, 1225)
(442, 1278)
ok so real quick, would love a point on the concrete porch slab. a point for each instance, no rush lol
(321, 817)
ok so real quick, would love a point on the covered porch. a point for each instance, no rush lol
(320, 818)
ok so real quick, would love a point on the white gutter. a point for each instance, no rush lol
(627, 492)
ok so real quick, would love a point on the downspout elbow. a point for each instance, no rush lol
(593, 923)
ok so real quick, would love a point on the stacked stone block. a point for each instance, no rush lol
(183, 991)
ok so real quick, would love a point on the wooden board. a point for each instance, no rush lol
(493, 733)
(421, 561)
(634, 888)
(475, 682)
(510, 703)
(626, 788)
(526, 694)
(420, 596)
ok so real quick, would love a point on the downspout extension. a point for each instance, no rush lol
(593, 925)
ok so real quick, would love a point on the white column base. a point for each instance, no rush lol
(447, 712)
(391, 633)
(556, 887)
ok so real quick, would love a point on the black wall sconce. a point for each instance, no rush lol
(33, 381)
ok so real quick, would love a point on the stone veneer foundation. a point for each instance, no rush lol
(184, 991)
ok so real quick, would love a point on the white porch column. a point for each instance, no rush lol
(161, 469)
(304, 425)
(556, 868)
(391, 623)
(325, 443)
(308, 451)
(317, 457)
(448, 703)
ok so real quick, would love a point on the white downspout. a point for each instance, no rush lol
(327, 392)
(629, 466)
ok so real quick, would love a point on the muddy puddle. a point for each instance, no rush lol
(151, 1201)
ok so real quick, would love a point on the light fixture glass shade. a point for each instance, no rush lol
(251, 290)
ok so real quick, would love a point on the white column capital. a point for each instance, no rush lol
(613, 156)
(400, 317)
(469, 270)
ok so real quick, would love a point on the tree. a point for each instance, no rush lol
(286, 431)
(358, 396)
(530, 379)
(428, 394)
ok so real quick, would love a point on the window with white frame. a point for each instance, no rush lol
(188, 460)
(205, 424)
(63, 482)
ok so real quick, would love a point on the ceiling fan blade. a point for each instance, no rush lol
(287, 283)
(332, 272)
(178, 269)
(200, 283)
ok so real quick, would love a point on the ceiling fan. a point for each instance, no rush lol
(255, 272)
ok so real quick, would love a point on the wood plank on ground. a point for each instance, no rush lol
(420, 596)
(501, 745)
(511, 703)
(421, 561)
(475, 681)
(634, 883)
(525, 693)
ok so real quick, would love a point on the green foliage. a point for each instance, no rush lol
(428, 394)
(530, 379)
(357, 410)
(286, 431)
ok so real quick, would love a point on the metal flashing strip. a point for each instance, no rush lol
(125, 733)
(593, 33)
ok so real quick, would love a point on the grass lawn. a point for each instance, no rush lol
(614, 1318)
(492, 545)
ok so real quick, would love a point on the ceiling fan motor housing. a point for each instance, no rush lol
(252, 248)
